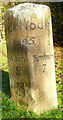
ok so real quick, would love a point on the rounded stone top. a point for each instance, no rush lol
(25, 10)
(24, 6)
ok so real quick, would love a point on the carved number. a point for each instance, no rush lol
(44, 66)
(28, 42)
(18, 70)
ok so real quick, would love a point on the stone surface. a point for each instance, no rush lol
(31, 56)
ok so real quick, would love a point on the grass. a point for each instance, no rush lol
(11, 109)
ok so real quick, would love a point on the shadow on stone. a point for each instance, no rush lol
(5, 83)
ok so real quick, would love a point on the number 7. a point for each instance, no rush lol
(44, 65)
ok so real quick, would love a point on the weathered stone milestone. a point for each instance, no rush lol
(30, 56)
